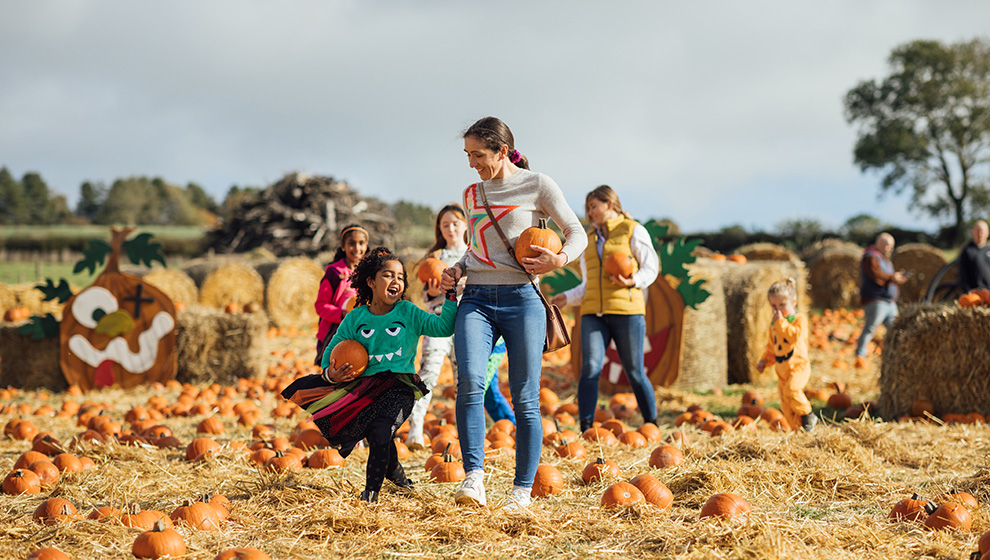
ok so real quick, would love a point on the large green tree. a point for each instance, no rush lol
(926, 127)
(13, 209)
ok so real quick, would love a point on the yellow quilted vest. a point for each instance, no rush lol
(602, 296)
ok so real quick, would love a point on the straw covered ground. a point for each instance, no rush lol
(824, 494)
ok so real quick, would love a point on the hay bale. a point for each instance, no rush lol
(923, 262)
(8, 298)
(290, 297)
(231, 282)
(939, 352)
(218, 347)
(32, 298)
(29, 364)
(176, 284)
(767, 252)
(833, 270)
(705, 356)
(748, 313)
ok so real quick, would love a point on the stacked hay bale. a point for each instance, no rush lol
(29, 364)
(290, 297)
(218, 347)
(939, 352)
(176, 284)
(8, 298)
(227, 282)
(748, 313)
(767, 252)
(28, 296)
(923, 262)
(833, 270)
(705, 357)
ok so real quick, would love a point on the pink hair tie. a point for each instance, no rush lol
(515, 156)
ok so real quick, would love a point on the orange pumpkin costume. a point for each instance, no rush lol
(787, 351)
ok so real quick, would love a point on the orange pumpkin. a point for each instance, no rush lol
(158, 542)
(725, 505)
(950, 515)
(547, 481)
(118, 331)
(621, 494)
(539, 235)
(430, 269)
(970, 300)
(737, 258)
(599, 469)
(909, 509)
(242, 553)
(48, 553)
(653, 490)
(666, 456)
(619, 264)
(349, 352)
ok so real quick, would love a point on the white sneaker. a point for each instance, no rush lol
(519, 498)
(472, 490)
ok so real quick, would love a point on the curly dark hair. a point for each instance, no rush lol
(373, 261)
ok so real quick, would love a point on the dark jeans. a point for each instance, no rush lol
(628, 332)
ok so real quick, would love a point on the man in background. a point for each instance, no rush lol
(974, 260)
(878, 291)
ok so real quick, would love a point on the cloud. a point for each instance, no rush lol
(704, 113)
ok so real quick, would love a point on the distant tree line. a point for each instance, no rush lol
(133, 200)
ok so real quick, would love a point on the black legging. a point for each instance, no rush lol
(383, 460)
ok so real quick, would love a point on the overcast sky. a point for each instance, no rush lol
(708, 113)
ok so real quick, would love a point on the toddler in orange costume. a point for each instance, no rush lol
(787, 350)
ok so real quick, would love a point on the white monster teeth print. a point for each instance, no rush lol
(380, 357)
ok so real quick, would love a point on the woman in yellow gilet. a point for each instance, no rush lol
(613, 307)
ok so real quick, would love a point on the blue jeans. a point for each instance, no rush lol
(628, 332)
(876, 311)
(515, 313)
(496, 405)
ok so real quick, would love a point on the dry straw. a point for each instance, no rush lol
(29, 364)
(939, 352)
(290, 297)
(32, 298)
(230, 282)
(174, 283)
(922, 261)
(8, 298)
(704, 357)
(748, 313)
(767, 252)
(833, 270)
(220, 347)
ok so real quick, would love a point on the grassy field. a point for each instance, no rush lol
(95, 231)
(35, 272)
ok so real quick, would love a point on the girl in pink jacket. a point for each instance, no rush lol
(335, 287)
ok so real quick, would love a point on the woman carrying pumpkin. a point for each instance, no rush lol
(335, 287)
(450, 243)
(501, 299)
(618, 264)
(349, 403)
(787, 352)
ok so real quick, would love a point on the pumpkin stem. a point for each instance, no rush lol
(543, 223)
(116, 242)
(134, 509)
(159, 525)
(930, 508)
(915, 496)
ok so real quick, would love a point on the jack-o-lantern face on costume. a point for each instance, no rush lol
(118, 331)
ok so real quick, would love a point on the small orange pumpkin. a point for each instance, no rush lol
(909, 509)
(21, 481)
(666, 456)
(547, 481)
(48, 553)
(431, 268)
(621, 494)
(539, 235)
(599, 469)
(725, 505)
(349, 352)
(158, 542)
(950, 515)
(325, 458)
(619, 264)
(198, 515)
(448, 470)
(653, 490)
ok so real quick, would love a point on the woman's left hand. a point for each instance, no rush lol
(621, 281)
(546, 261)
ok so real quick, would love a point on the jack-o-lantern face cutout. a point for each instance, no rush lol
(118, 331)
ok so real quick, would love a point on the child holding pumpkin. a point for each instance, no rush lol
(335, 287)
(787, 350)
(350, 404)
(450, 232)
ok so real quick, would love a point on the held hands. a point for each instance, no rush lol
(343, 374)
(545, 262)
(450, 277)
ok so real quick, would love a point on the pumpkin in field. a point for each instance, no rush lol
(21, 481)
(909, 509)
(539, 235)
(197, 515)
(55, 510)
(48, 553)
(666, 456)
(950, 515)
(159, 542)
(430, 269)
(548, 481)
(737, 258)
(599, 469)
(653, 490)
(619, 264)
(922, 405)
(242, 553)
(725, 505)
(621, 494)
(349, 352)
(970, 300)
(964, 498)
(118, 331)
(447, 470)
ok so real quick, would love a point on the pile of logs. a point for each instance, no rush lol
(302, 215)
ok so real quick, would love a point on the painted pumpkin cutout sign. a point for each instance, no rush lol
(120, 330)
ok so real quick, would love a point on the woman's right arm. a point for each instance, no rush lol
(575, 295)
